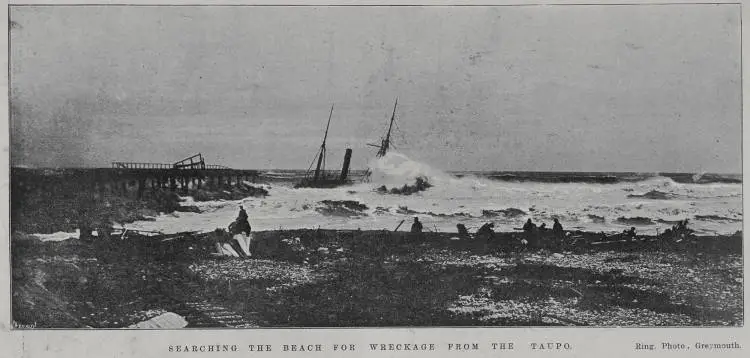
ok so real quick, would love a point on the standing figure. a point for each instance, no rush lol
(416, 227)
(557, 230)
(462, 231)
(530, 232)
(416, 230)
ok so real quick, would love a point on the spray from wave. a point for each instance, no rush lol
(396, 169)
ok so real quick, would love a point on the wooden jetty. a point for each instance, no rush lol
(123, 177)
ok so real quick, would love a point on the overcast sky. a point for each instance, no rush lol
(571, 88)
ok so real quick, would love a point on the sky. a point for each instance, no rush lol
(533, 88)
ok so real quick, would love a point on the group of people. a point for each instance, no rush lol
(533, 234)
(531, 228)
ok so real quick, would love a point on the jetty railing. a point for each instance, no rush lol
(136, 165)
(192, 162)
(195, 162)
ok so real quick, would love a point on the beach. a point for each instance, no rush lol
(335, 278)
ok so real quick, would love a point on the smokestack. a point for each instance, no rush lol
(345, 168)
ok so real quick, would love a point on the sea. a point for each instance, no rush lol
(599, 202)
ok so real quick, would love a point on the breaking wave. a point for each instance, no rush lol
(653, 194)
(634, 221)
(508, 213)
(607, 178)
(716, 218)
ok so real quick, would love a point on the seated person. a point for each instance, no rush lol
(462, 231)
(486, 231)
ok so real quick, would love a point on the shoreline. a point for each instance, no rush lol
(60, 208)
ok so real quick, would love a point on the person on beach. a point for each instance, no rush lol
(462, 231)
(681, 230)
(241, 225)
(531, 232)
(557, 229)
(667, 234)
(416, 227)
(528, 226)
(682, 226)
(629, 234)
(416, 230)
(243, 214)
(486, 232)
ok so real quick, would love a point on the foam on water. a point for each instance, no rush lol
(452, 200)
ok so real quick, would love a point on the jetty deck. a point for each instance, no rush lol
(122, 179)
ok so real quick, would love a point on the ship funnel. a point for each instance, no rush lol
(345, 168)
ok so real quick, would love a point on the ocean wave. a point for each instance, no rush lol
(556, 178)
(653, 194)
(606, 178)
(637, 220)
(403, 210)
(716, 218)
(668, 222)
(508, 213)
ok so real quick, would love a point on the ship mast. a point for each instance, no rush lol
(385, 144)
(322, 154)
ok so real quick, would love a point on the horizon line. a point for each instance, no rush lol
(448, 171)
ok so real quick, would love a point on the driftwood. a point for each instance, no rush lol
(135, 230)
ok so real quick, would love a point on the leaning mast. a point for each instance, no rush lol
(321, 156)
(385, 144)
